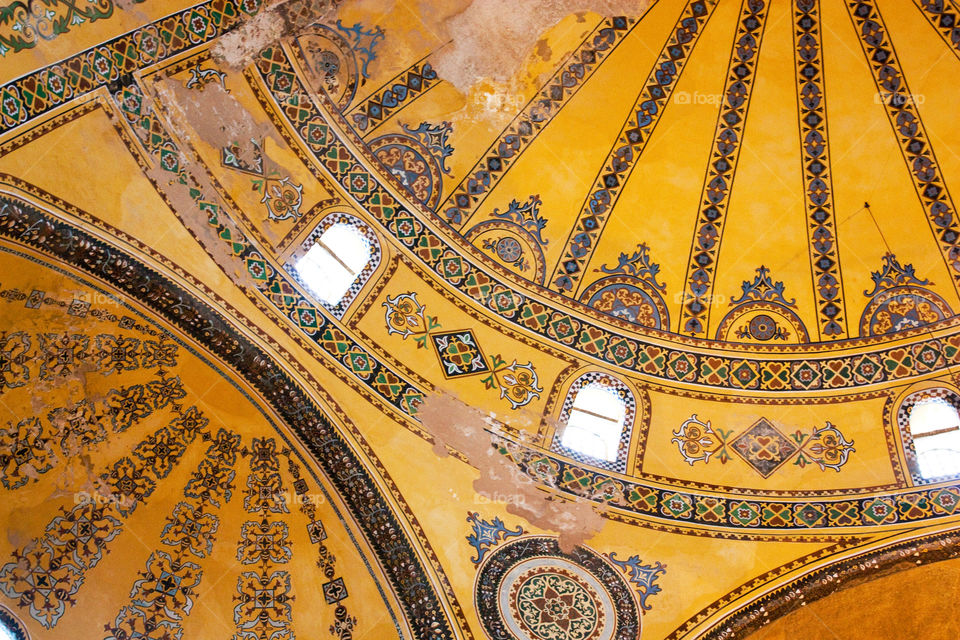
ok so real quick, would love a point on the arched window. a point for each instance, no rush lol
(596, 421)
(341, 254)
(929, 423)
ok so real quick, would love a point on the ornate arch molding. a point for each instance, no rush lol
(23, 223)
(828, 579)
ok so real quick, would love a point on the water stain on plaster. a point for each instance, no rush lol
(74, 468)
(483, 45)
(180, 196)
(216, 118)
(477, 51)
(463, 428)
(220, 121)
(286, 18)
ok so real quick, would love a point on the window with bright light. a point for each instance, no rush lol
(10, 627)
(934, 424)
(334, 262)
(596, 419)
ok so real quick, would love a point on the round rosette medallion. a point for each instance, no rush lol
(528, 589)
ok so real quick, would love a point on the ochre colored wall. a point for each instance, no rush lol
(910, 603)
(177, 187)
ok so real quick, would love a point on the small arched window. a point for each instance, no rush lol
(10, 627)
(596, 421)
(341, 254)
(929, 422)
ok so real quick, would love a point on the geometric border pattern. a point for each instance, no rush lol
(944, 17)
(732, 511)
(43, 90)
(554, 323)
(817, 181)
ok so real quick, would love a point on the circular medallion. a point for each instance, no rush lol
(762, 327)
(328, 64)
(330, 59)
(411, 164)
(901, 309)
(555, 599)
(509, 249)
(530, 590)
(627, 302)
(511, 245)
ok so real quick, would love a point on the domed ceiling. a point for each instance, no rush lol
(734, 218)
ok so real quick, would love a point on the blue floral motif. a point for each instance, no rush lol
(641, 576)
(364, 43)
(488, 534)
(763, 289)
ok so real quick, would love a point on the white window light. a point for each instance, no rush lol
(334, 262)
(935, 428)
(595, 423)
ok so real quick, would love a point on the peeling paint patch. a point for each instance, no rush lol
(218, 119)
(221, 121)
(179, 195)
(238, 48)
(461, 427)
(485, 46)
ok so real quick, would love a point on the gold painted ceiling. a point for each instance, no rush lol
(734, 216)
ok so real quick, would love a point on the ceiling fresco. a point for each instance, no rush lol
(733, 216)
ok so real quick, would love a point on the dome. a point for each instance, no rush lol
(478, 319)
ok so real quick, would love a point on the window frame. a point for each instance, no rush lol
(12, 624)
(619, 464)
(361, 279)
(906, 435)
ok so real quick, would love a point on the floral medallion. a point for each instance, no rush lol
(528, 589)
